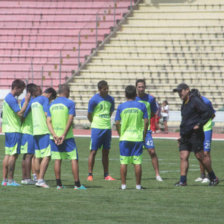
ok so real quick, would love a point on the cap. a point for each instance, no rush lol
(180, 87)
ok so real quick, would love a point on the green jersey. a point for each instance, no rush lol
(101, 109)
(10, 120)
(131, 114)
(59, 111)
(27, 125)
(39, 107)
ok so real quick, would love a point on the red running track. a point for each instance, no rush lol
(171, 135)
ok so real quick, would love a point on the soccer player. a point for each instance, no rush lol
(100, 109)
(129, 118)
(27, 142)
(38, 93)
(150, 104)
(165, 115)
(39, 109)
(207, 128)
(195, 114)
(59, 121)
(11, 126)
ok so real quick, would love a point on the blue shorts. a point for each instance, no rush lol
(131, 152)
(12, 143)
(100, 138)
(42, 146)
(207, 140)
(27, 144)
(149, 144)
(67, 150)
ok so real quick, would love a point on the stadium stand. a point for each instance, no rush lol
(166, 42)
(46, 41)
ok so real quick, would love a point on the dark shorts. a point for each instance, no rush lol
(194, 142)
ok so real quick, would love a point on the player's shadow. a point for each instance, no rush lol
(154, 179)
(53, 183)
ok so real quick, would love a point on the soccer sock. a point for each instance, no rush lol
(77, 183)
(58, 182)
(212, 175)
(40, 181)
(123, 186)
(138, 187)
(90, 174)
(10, 181)
(105, 175)
(34, 176)
(5, 180)
(183, 179)
(202, 175)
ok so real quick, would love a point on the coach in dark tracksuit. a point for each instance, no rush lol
(195, 113)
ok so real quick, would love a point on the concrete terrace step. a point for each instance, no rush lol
(198, 43)
(180, 36)
(214, 82)
(154, 86)
(176, 22)
(172, 29)
(152, 68)
(156, 15)
(140, 61)
(162, 56)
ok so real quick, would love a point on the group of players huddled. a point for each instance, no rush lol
(27, 127)
(41, 129)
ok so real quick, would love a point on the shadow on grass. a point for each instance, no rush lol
(164, 179)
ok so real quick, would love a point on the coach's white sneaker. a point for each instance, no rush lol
(159, 178)
(199, 179)
(205, 180)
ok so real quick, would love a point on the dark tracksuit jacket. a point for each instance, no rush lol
(194, 112)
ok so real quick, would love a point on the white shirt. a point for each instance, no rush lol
(165, 108)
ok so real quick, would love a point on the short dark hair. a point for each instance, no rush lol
(52, 91)
(130, 92)
(140, 80)
(101, 84)
(18, 83)
(31, 88)
(63, 89)
(38, 87)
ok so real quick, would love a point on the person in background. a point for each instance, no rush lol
(150, 104)
(207, 128)
(165, 115)
(158, 116)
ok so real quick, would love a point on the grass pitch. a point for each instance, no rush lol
(103, 202)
